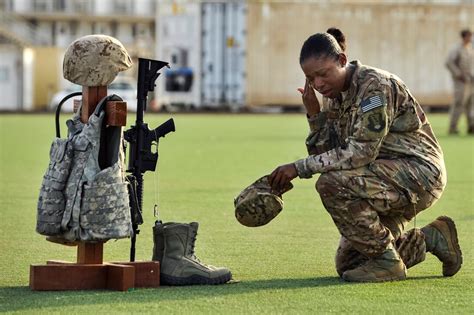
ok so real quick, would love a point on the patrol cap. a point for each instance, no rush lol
(257, 205)
(95, 60)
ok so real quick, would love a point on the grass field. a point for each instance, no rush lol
(284, 267)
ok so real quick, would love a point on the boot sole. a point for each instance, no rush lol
(393, 278)
(454, 244)
(376, 280)
(194, 280)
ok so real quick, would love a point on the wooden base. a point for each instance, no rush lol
(90, 273)
(60, 275)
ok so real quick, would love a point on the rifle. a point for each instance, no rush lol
(140, 138)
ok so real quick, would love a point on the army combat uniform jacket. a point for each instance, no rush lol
(378, 157)
(378, 119)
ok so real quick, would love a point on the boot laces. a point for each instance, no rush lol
(191, 252)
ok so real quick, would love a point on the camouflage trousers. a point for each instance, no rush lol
(463, 102)
(372, 205)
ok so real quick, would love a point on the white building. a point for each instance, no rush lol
(35, 33)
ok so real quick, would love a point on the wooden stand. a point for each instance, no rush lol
(90, 272)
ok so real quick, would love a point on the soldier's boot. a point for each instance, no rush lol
(441, 239)
(411, 247)
(386, 267)
(179, 264)
(159, 240)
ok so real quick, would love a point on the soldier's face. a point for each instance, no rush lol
(325, 74)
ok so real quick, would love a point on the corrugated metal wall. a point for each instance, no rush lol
(209, 37)
(410, 40)
(223, 54)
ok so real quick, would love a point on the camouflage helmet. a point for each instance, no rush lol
(257, 204)
(95, 60)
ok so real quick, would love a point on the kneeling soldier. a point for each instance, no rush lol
(380, 164)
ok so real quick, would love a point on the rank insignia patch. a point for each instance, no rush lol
(372, 102)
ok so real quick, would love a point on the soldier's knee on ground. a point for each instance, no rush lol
(347, 258)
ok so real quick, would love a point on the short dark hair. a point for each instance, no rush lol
(465, 32)
(339, 36)
(329, 44)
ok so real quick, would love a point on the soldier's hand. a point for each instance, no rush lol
(310, 101)
(281, 176)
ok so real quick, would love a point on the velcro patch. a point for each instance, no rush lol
(372, 102)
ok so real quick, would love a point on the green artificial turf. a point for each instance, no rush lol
(284, 267)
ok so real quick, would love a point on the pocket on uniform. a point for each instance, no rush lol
(59, 165)
(81, 143)
(50, 210)
(105, 212)
(52, 201)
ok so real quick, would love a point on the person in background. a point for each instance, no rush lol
(461, 65)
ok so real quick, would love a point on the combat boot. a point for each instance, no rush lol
(159, 240)
(386, 267)
(179, 264)
(441, 239)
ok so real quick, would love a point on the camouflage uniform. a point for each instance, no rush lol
(380, 164)
(257, 204)
(460, 62)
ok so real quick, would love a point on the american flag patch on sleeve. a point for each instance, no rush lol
(372, 102)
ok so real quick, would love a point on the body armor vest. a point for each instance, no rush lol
(84, 197)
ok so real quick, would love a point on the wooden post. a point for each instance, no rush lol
(91, 95)
(90, 273)
(90, 253)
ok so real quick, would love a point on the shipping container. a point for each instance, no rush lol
(204, 42)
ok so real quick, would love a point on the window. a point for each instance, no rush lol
(42, 5)
(6, 5)
(122, 7)
(4, 74)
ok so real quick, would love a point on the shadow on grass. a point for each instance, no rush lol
(22, 298)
